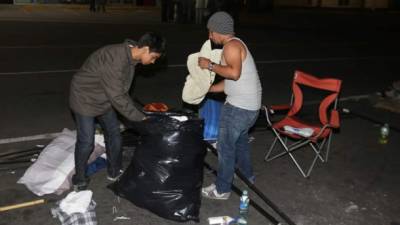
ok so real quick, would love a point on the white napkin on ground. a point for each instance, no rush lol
(76, 202)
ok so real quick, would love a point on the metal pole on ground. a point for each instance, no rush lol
(257, 191)
(252, 203)
(368, 118)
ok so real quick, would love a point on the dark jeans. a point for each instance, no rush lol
(233, 145)
(85, 127)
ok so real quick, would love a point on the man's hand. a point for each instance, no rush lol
(204, 62)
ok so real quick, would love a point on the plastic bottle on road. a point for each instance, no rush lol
(384, 134)
(243, 208)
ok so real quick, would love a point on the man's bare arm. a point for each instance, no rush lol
(218, 87)
(233, 60)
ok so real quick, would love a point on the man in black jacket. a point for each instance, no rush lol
(102, 86)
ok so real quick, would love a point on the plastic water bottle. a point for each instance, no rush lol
(384, 134)
(243, 208)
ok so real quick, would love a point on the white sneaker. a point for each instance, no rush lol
(212, 193)
(209, 188)
(110, 178)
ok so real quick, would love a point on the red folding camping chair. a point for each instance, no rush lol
(294, 132)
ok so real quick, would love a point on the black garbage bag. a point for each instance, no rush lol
(165, 175)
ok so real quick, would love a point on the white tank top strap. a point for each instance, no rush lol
(246, 91)
(247, 50)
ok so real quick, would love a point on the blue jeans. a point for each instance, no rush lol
(85, 128)
(233, 145)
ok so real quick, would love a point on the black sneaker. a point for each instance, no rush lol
(80, 185)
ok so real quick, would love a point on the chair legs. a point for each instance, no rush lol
(289, 149)
(328, 147)
(267, 158)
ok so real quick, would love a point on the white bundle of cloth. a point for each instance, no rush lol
(77, 208)
(199, 80)
(76, 202)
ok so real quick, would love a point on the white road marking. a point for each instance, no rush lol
(29, 138)
(348, 98)
(38, 72)
(319, 59)
(306, 60)
(354, 97)
(49, 46)
(184, 65)
(54, 135)
(98, 46)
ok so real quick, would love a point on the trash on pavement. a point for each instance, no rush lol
(76, 202)
(77, 208)
(166, 171)
(53, 170)
(220, 220)
(21, 205)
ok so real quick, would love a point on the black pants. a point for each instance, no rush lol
(85, 128)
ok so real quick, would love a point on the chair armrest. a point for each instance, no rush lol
(334, 119)
(334, 123)
(275, 109)
(271, 110)
(326, 126)
(280, 107)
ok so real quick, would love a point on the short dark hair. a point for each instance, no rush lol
(155, 42)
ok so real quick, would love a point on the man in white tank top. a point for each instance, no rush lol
(240, 111)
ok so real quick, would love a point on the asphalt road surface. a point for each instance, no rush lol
(360, 185)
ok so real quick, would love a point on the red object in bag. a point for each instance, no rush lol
(155, 107)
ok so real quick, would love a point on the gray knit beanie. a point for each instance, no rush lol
(221, 22)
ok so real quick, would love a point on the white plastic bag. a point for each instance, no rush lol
(52, 171)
